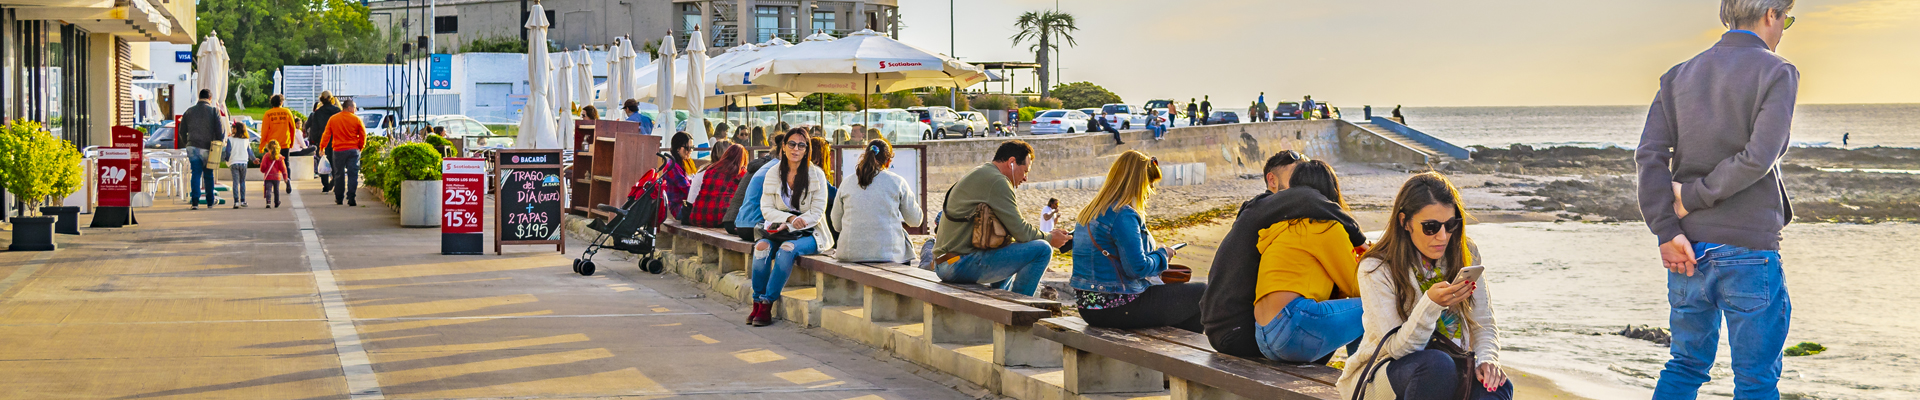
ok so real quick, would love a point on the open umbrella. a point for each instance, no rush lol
(876, 62)
(536, 122)
(664, 125)
(697, 89)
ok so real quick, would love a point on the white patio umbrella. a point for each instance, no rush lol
(212, 60)
(664, 125)
(536, 122)
(562, 96)
(697, 89)
(610, 98)
(863, 62)
(583, 79)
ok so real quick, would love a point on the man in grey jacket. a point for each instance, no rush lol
(1710, 189)
(200, 126)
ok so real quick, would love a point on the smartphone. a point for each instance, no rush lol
(1468, 274)
(1177, 246)
(774, 228)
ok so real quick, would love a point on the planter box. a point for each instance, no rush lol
(67, 219)
(300, 168)
(32, 234)
(420, 204)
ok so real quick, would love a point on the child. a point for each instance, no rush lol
(239, 149)
(275, 168)
(1048, 214)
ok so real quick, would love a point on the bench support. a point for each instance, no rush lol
(734, 261)
(945, 325)
(1189, 390)
(685, 245)
(885, 306)
(709, 253)
(835, 291)
(1015, 346)
(1088, 373)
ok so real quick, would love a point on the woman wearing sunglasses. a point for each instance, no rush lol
(1427, 336)
(793, 200)
(1114, 255)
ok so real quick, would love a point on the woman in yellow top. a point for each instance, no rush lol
(1307, 289)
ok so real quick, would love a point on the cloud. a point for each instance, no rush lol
(1868, 14)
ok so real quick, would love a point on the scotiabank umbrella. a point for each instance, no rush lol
(536, 120)
(863, 62)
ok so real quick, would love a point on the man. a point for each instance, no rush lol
(1193, 112)
(277, 127)
(316, 130)
(201, 125)
(1261, 104)
(1710, 189)
(1016, 267)
(345, 135)
(1367, 112)
(1308, 107)
(1396, 115)
(633, 115)
(1206, 107)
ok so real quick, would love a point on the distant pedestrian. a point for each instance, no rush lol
(591, 113)
(200, 126)
(1193, 112)
(277, 126)
(1368, 112)
(1844, 137)
(273, 166)
(346, 135)
(1158, 125)
(1397, 117)
(1261, 103)
(239, 148)
(1206, 107)
(1719, 222)
(1309, 106)
(323, 112)
(633, 115)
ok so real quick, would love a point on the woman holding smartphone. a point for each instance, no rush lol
(794, 202)
(1428, 334)
(1116, 263)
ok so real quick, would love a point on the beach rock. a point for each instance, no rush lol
(1647, 333)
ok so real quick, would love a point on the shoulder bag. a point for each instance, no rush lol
(1462, 365)
(988, 233)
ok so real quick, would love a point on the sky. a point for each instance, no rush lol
(1423, 52)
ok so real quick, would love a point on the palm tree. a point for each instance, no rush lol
(1043, 26)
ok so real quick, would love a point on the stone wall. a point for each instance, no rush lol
(1361, 145)
(1225, 149)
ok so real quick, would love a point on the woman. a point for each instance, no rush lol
(821, 155)
(1414, 313)
(887, 206)
(590, 113)
(793, 201)
(1305, 304)
(713, 187)
(1114, 257)
(323, 111)
(675, 170)
(759, 136)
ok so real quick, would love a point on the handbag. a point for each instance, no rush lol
(216, 147)
(988, 233)
(1462, 364)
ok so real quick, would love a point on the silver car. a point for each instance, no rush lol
(943, 122)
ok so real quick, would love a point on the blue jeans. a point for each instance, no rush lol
(1158, 131)
(1745, 287)
(1306, 330)
(239, 182)
(346, 174)
(771, 266)
(1016, 267)
(202, 179)
(1430, 374)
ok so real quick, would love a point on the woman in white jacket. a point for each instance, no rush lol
(877, 232)
(1412, 312)
(794, 201)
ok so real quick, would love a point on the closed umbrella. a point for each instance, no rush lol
(562, 93)
(213, 70)
(610, 97)
(583, 79)
(663, 67)
(697, 89)
(536, 124)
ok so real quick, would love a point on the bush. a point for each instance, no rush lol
(939, 98)
(373, 163)
(903, 99)
(1045, 102)
(993, 102)
(1084, 95)
(409, 162)
(439, 143)
(35, 165)
(1027, 113)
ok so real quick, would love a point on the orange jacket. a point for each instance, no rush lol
(277, 126)
(344, 132)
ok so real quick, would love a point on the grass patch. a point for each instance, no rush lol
(1195, 219)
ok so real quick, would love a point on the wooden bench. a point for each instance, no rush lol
(1104, 360)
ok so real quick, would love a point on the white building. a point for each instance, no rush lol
(488, 87)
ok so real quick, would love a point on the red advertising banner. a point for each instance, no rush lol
(462, 187)
(115, 182)
(131, 139)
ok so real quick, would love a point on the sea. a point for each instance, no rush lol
(1562, 291)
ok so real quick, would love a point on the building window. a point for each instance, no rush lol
(766, 20)
(823, 21)
(447, 24)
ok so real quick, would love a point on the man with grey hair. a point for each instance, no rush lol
(1710, 190)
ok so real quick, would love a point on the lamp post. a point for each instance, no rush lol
(953, 48)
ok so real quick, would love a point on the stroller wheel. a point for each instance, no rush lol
(653, 265)
(586, 268)
(576, 266)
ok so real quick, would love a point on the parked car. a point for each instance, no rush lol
(378, 122)
(898, 126)
(1060, 121)
(160, 138)
(1221, 117)
(943, 120)
(1123, 116)
(976, 122)
(1286, 110)
(457, 126)
(834, 121)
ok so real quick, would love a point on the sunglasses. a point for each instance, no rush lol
(1789, 23)
(1433, 227)
(797, 145)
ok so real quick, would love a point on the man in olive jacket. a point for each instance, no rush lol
(1016, 267)
(199, 127)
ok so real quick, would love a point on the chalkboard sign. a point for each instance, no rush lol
(530, 194)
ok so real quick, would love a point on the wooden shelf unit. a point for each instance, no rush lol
(613, 155)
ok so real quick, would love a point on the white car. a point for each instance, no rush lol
(378, 122)
(456, 126)
(1059, 121)
(976, 121)
(1123, 116)
(898, 126)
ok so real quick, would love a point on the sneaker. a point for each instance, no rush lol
(236, 206)
(195, 207)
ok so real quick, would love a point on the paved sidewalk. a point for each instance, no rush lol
(238, 304)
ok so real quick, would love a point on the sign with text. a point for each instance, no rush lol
(461, 188)
(115, 180)
(529, 208)
(183, 56)
(134, 142)
(440, 71)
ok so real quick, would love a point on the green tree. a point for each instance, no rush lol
(267, 34)
(939, 97)
(1084, 94)
(1042, 26)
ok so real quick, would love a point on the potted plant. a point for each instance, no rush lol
(414, 173)
(34, 166)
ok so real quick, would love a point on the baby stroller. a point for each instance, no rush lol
(632, 228)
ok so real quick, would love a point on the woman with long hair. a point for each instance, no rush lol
(676, 169)
(714, 186)
(1305, 296)
(821, 155)
(759, 136)
(1114, 256)
(877, 233)
(793, 203)
(1420, 323)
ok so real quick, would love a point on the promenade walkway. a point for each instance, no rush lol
(318, 301)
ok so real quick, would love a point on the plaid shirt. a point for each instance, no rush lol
(716, 194)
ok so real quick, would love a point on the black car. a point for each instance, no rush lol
(1221, 117)
(1286, 111)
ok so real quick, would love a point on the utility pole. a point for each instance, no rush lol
(953, 98)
